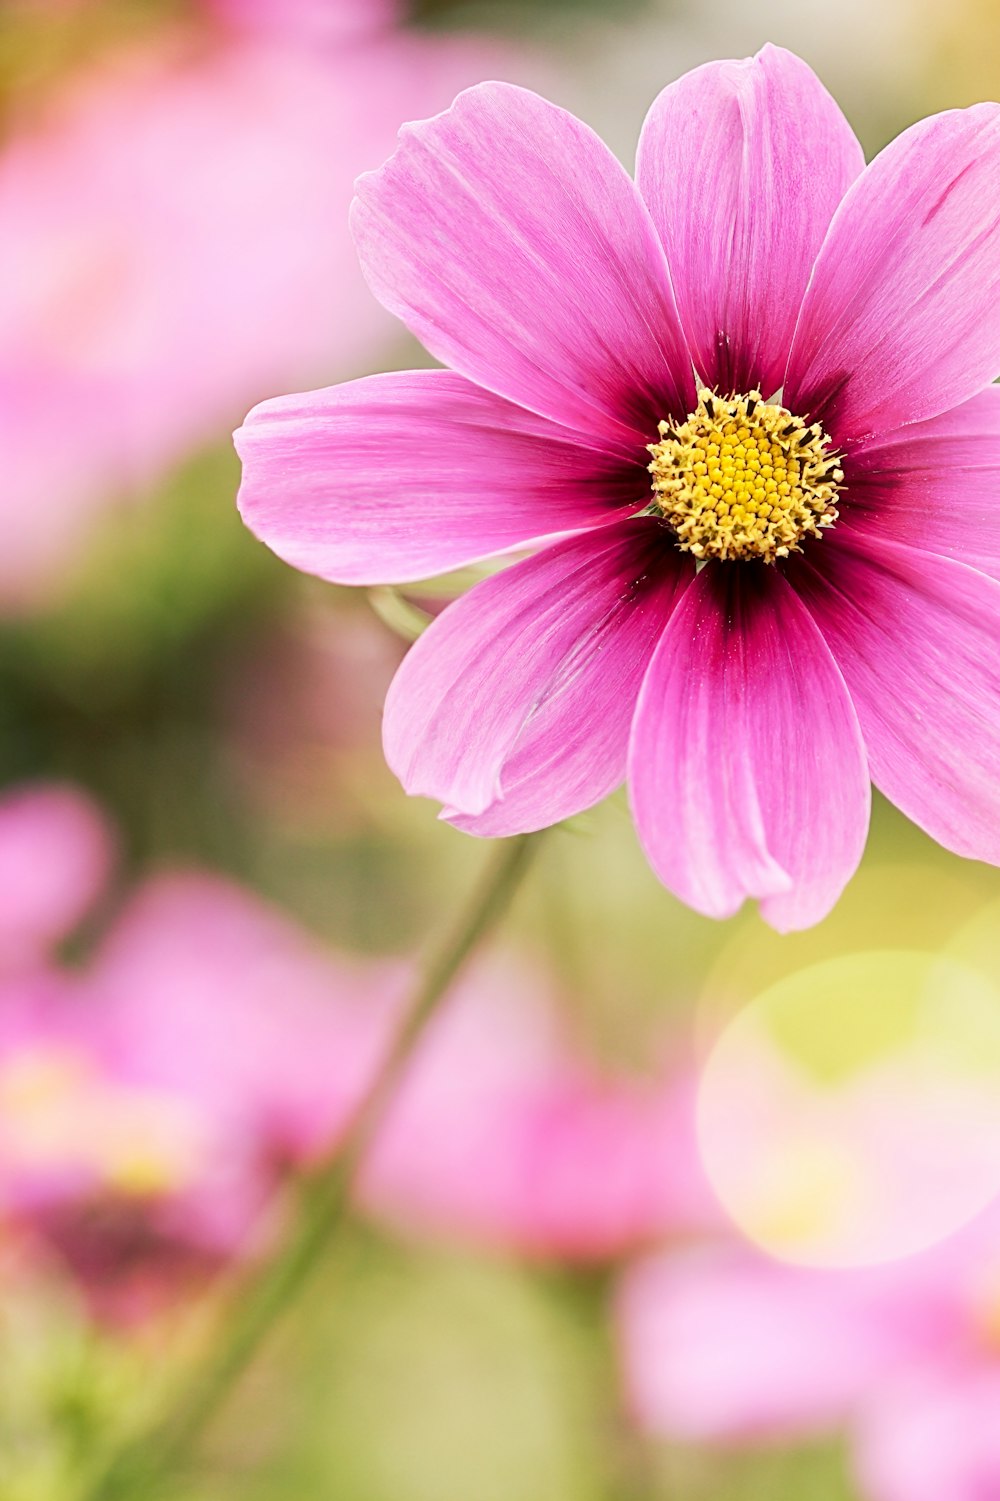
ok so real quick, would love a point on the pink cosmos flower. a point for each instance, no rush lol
(722, 1345)
(762, 357)
(152, 1098)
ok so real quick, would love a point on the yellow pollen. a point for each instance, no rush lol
(742, 478)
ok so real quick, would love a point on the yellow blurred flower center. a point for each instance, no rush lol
(56, 1107)
(742, 478)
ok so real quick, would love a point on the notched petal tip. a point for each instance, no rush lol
(511, 241)
(367, 182)
(905, 291)
(742, 164)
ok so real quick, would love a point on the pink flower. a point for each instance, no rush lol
(159, 197)
(153, 1098)
(215, 999)
(152, 1104)
(721, 1345)
(845, 624)
(505, 1132)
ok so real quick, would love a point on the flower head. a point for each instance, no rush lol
(739, 411)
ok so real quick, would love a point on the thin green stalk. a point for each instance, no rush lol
(135, 1463)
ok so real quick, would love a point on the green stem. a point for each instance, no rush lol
(134, 1463)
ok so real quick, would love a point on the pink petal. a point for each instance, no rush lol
(553, 647)
(573, 751)
(935, 484)
(934, 1437)
(722, 1345)
(505, 1133)
(902, 317)
(263, 1039)
(402, 476)
(746, 768)
(513, 244)
(742, 165)
(56, 855)
(917, 638)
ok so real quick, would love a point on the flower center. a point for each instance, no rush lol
(743, 478)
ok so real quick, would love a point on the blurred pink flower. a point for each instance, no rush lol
(152, 1100)
(590, 320)
(501, 1130)
(505, 1132)
(722, 1345)
(176, 244)
(266, 1037)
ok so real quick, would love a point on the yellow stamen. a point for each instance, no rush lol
(743, 478)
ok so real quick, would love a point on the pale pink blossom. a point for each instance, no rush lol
(262, 1035)
(722, 1345)
(507, 1132)
(153, 1096)
(176, 244)
(152, 1101)
(825, 330)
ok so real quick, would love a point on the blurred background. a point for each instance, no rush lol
(664, 1209)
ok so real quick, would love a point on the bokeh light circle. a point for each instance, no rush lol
(850, 1114)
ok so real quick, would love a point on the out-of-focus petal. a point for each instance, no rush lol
(934, 484)
(720, 1345)
(917, 638)
(552, 648)
(219, 999)
(901, 319)
(505, 1133)
(56, 851)
(933, 1435)
(399, 477)
(742, 165)
(175, 247)
(508, 238)
(746, 768)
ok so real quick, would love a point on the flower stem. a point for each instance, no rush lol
(135, 1463)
